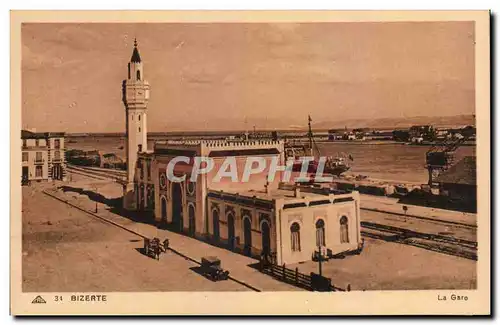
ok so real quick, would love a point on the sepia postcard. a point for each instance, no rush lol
(250, 163)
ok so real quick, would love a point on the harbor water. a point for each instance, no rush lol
(391, 161)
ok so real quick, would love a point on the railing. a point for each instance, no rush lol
(312, 282)
(287, 275)
(56, 159)
(39, 161)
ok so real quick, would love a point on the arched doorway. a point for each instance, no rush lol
(192, 221)
(163, 210)
(57, 172)
(215, 220)
(247, 232)
(266, 238)
(230, 231)
(177, 206)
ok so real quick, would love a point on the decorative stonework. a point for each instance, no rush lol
(320, 213)
(191, 188)
(246, 212)
(163, 181)
(264, 216)
(295, 217)
(215, 206)
(230, 209)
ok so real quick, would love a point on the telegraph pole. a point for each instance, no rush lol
(96, 199)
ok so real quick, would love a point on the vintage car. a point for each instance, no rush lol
(211, 267)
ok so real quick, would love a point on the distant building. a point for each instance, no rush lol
(335, 134)
(360, 133)
(401, 135)
(43, 156)
(111, 160)
(349, 136)
(442, 134)
(459, 181)
(78, 157)
(380, 135)
(424, 132)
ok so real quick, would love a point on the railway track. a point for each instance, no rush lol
(415, 234)
(96, 173)
(114, 172)
(439, 243)
(427, 219)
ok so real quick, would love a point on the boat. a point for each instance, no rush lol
(333, 165)
(336, 165)
(295, 152)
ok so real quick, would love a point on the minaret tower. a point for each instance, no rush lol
(135, 97)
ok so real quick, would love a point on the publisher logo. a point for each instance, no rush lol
(38, 300)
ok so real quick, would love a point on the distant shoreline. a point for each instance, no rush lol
(348, 142)
(375, 142)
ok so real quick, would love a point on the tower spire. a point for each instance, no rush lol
(136, 58)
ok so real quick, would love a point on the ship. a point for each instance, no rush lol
(295, 151)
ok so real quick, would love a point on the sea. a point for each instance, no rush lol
(385, 161)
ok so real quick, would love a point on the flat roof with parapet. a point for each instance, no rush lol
(261, 198)
(218, 148)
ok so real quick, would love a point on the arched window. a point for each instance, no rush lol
(344, 230)
(138, 74)
(295, 232)
(320, 232)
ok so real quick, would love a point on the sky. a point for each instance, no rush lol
(220, 76)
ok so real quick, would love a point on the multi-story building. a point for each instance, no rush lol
(43, 156)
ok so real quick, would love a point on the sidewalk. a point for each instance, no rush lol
(236, 264)
(391, 205)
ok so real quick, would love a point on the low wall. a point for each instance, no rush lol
(372, 189)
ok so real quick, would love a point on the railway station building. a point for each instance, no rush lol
(251, 217)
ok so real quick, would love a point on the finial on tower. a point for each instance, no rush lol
(135, 55)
